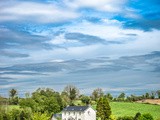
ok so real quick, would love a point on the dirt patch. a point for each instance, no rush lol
(150, 101)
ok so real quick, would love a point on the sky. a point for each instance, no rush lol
(108, 44)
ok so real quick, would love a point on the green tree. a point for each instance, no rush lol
(28, 102)
(121, 97)
(153, 94)
(109, 96)
(106, 108)
(137, 116)
(40, 116)
(158, 93)
(85, 100)
(146, 116)
(72, 92)
(147, 96)
(99, 108)
(47, 100)
(13, 97)
(103, 109)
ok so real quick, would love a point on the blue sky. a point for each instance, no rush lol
(108, 44)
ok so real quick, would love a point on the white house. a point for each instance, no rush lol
(78, 113)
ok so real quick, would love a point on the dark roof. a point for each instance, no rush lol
(57, 115)
(75, 108)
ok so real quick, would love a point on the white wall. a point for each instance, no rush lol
(88, 114)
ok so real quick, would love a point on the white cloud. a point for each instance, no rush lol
(36, 12)
(102, 5)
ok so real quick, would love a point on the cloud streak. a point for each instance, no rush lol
(35, 12)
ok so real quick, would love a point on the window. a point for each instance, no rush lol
(79, 113)
(88, 112)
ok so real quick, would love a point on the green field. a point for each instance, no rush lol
(130, 109)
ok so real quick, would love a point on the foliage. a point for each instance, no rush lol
(109, 96)
(40, 116)
(85, 99)
(16, 114)
(146, 117)
(28, 102)
(137, 116)
(99, 108)
(121, 97)
(112, 117)
(72, 92)
(97, 93)
(103, 109)
(158, 93)
(125, 118)
(43, 100)
(13, 97)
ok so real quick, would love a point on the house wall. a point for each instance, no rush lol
(74, 114)
(88, 114)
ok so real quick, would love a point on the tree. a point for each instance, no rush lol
(106, 108)
(99, 108)
(13, 97)
(40, 116)
(97, 93)
(147, 96)
(153, 94)
(158, 93)
(121, 97)
(85, 99)
(109, 96)
(13, 93)
(146, 116)
(72, 92)
(103, 109)
(28, 102)
(137, 116)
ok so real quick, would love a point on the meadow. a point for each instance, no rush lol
(130, 109)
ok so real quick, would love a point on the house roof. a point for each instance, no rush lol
(75, 108)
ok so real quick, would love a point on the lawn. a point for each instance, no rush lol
(130, 109)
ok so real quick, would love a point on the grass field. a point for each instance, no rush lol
(130, 109)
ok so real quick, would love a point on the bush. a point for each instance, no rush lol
(39, 116)
(125, 118)
(146, 117)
